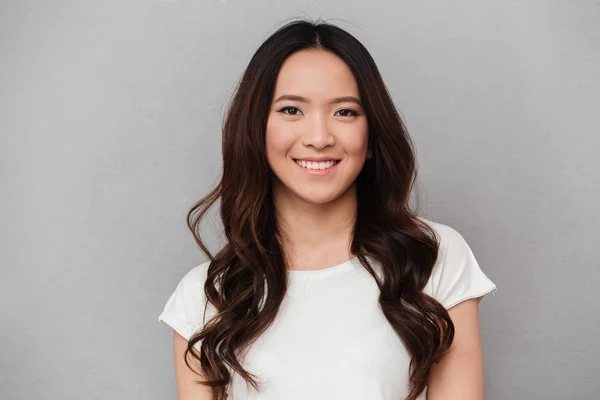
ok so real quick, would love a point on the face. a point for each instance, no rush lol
(316, 114)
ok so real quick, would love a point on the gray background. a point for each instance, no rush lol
(110, 129)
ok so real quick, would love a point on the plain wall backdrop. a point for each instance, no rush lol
(110, 115)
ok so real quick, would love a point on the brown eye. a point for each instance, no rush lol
(289, 110)
(346, 112)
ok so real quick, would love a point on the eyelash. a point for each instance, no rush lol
(352, 112)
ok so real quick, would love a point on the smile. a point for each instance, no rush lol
(315, 164)
(317, 168)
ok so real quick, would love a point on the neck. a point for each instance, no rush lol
(314, 232)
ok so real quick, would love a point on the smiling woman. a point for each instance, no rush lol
(329, 286)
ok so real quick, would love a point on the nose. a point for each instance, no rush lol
(318, 133)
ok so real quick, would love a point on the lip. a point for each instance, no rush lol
(317, 172)
(317, 159)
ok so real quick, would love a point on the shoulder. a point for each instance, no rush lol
(447, 235)
(456, 274)
(190, 289)
(195, 277)
(184, 310)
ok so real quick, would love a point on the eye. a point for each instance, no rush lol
(347, 112)
(292, 110)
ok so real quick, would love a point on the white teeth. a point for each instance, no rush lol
(315, 165)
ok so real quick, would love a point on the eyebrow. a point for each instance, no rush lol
(344, 99)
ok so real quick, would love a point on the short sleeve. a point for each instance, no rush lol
(456, 276)
(185, 307)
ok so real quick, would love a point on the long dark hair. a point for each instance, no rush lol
(246, 280)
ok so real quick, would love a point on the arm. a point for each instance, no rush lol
(459, 375)
(185, 377)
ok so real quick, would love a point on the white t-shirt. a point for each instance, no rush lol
(330, 340)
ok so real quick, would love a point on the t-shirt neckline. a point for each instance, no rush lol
(324, 271)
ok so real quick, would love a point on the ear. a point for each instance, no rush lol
(369, 153)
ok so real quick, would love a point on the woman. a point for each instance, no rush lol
(329, 286)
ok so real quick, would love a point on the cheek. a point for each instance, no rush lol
(278, 139)
(356, 141)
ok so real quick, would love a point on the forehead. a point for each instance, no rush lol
(313, 72)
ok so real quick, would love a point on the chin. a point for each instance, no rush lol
(324, 199)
